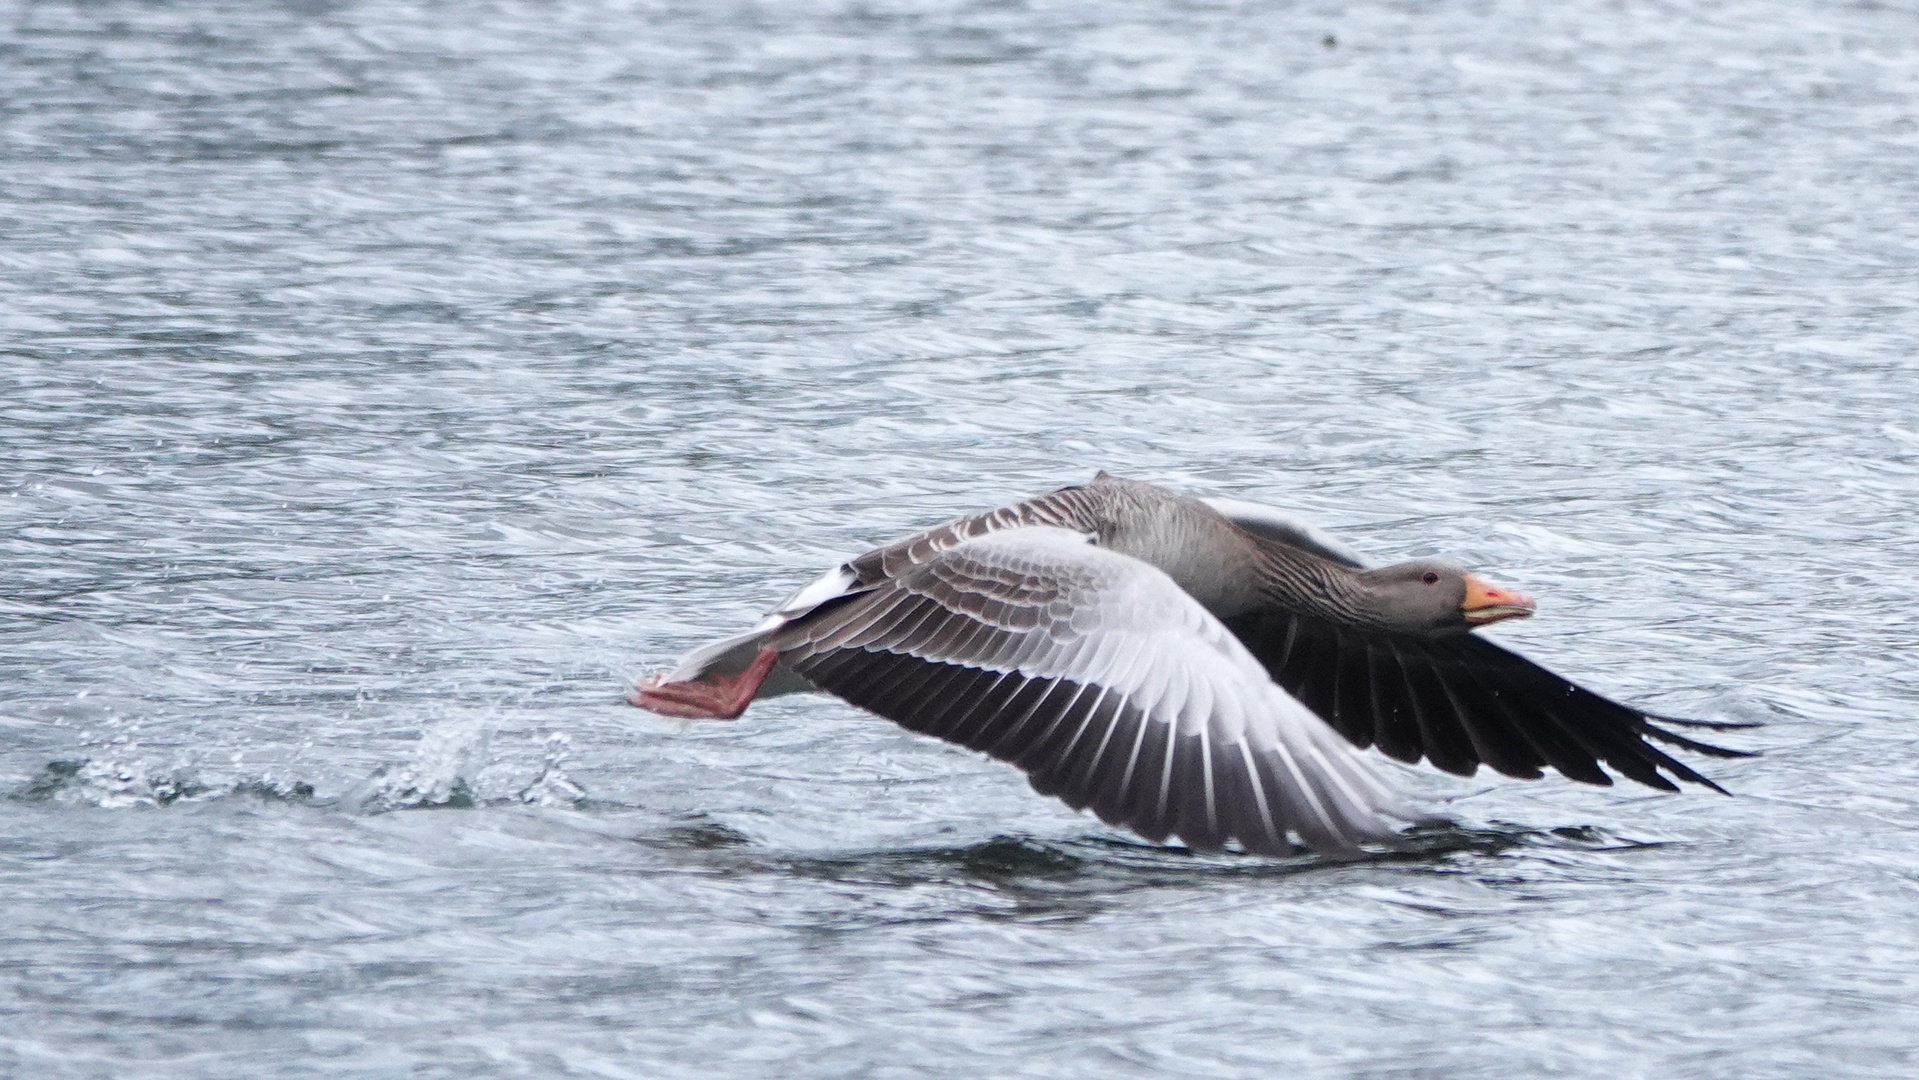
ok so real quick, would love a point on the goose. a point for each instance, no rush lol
(1201, 668)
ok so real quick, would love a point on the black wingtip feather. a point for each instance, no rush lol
(1460, 700)
(1697, 747)
(1714, 725)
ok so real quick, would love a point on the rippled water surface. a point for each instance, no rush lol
(385, 386)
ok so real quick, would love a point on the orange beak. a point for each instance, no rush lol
(1486, 602)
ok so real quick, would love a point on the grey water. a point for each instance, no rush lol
(385, 386)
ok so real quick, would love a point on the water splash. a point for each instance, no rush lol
(436, 775)
(116, 784)
(110, 784)
(552, 787)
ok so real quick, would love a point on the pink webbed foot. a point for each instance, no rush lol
(716, 697)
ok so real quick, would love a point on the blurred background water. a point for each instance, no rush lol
(385, 386)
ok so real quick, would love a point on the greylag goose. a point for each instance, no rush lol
(1202, 668)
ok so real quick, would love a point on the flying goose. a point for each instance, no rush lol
(1201, 668)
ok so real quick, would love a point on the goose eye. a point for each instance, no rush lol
(1429, 577)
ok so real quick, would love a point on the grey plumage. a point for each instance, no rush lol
(1185, 669)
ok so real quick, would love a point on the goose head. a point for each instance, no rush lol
(1437, 596)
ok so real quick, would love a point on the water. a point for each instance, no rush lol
(384, 387)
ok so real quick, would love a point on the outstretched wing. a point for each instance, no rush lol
(1071, 508)
(1108, 685)
(1459, 700)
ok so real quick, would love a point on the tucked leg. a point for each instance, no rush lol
(715, 697)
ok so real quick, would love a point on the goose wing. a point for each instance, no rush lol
(1460, 700)
(1079, 509)
(1101, 679)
